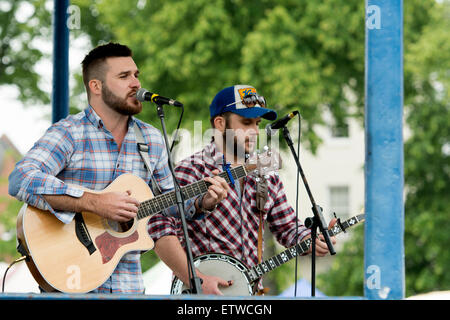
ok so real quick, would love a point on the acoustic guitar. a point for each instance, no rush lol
(80, 256)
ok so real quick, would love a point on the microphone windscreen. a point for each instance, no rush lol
(140, 94)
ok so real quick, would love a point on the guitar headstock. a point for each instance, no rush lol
(263, 163)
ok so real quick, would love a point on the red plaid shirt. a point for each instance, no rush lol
(232, 228)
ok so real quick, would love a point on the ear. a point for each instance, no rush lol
(220, 123)
(95, 86)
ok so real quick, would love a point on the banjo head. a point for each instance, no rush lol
(222, 266)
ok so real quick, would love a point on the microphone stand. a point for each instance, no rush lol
(317, 220)
(195, 282)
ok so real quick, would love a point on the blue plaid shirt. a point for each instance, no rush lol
(80, 151)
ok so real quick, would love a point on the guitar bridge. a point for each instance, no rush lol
(83, 234)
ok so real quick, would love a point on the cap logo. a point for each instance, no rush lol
(245, 91)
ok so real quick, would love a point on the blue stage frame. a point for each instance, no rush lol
(60, 86)
(384, 205)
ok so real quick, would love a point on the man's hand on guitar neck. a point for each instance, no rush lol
(217, 191)
(118, 206)
(321, 245)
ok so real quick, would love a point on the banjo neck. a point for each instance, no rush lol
(270, 264)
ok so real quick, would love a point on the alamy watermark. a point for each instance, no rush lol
(74, 17)
(373, 20)
(373, 281)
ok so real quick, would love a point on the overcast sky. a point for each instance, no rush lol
(25, 124)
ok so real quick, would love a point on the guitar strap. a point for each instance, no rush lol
(143, 151)
(261, 199)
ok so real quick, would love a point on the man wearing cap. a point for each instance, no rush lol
(91, 149)
(231, 226)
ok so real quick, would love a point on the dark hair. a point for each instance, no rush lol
(93, 64)
(225, 115)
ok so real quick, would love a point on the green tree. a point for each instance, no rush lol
(22, 24)
(299, 54)
(427, 157)
(426, 163)
(8, 217)
(10, 208)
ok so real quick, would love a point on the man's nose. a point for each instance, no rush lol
(254, 130)
(135, 83)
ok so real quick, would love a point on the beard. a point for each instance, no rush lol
(236, 144)
(119, 104)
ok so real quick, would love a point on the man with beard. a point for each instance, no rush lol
(91, 149)
(233, 226)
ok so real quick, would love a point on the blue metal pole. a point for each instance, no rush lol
(384, 227)
(60, 87)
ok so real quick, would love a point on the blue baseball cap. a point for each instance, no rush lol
(231, 100)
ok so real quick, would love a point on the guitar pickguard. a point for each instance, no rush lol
(108, 245)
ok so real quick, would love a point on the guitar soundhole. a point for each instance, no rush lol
(120, 226)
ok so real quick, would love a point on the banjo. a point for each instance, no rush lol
(79, 256)
(245, 278)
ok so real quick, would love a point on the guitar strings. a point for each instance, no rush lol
(166, 200)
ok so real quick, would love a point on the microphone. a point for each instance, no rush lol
(145, 95)
(272, 127)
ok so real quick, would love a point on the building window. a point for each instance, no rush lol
(340, 201)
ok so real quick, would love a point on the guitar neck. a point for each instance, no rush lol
(168, 199)
(300, 248)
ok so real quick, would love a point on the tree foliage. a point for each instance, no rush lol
(426, 161)
(302, 55)
(22, 23)
(298, 54)
(427, 157)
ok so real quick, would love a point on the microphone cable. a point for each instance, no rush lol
(7, 269)
(175, 136)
